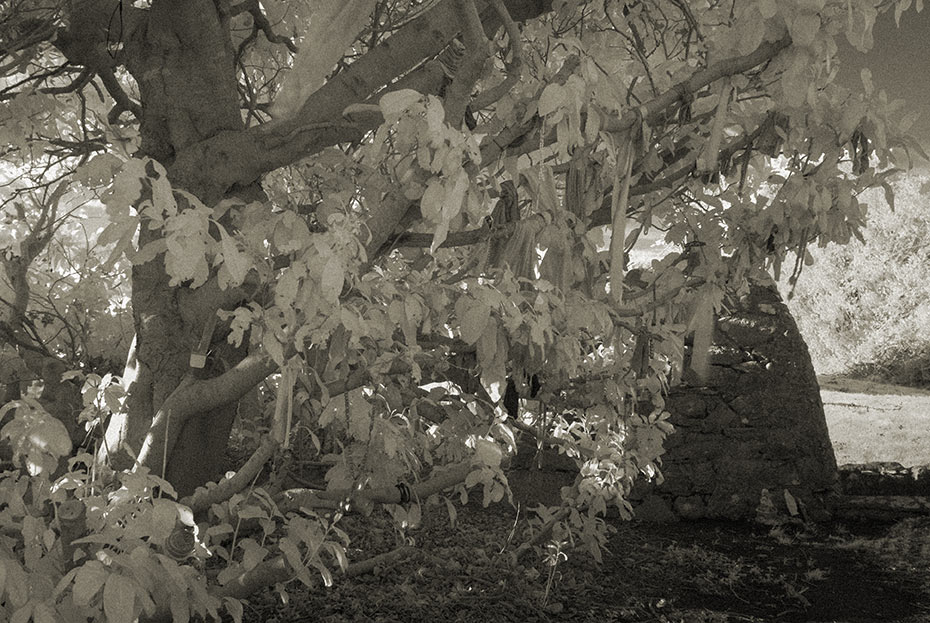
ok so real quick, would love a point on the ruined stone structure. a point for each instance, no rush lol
(757, 423)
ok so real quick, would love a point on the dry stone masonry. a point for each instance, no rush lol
(757, 424)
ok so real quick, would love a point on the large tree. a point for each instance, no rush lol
(390, 216)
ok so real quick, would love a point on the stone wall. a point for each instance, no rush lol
(758, 423)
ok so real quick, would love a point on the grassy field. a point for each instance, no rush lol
(876, 422)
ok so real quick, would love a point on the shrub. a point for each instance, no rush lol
(864, 308)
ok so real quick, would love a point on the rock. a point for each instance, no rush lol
(721, 417)
(689, 405)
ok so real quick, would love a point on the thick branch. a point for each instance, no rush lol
(653, 110)
(232, 158)
(451, 476)
(458, 94)
(205, 498)
(486, 98)
(198, 396)
(277, 570)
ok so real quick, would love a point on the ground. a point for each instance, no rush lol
(707, 572)
(704, 572)
(870, 421)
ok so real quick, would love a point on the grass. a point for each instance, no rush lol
(871, 421)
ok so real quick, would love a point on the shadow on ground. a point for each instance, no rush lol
(705, 572)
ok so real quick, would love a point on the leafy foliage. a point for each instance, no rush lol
(435, 216)
(862, 307)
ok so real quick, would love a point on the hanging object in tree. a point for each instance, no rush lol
(619, 200)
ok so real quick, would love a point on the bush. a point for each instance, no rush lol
(864, 308)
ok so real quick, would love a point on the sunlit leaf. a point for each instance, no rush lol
(553, 98)
(395, 103)
(473, 318)
(119, 596)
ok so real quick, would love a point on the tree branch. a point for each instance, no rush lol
(601, 216)
(276, 570)
(458, 94)
(655, 108)
(198, 396)
(123, 103)
(239, 158)
(261, 22)
(486, 98)
(203, 499)
(450, 476)
(454, 239)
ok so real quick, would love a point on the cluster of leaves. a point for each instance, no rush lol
(129, 527)
(118, 562)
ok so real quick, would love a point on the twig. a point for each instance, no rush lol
(541, 535)
(260, 21)
(866, 407)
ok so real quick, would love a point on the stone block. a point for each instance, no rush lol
(719, 418)
(745, 332)
(677, 482)
(729, 505)
(689, 405)
(702, 448)
(727, 356)
(703, 476)
(681, 421)
(723, 376)
(744, 405)
(675, 440)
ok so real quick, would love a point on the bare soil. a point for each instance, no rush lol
(664, 573)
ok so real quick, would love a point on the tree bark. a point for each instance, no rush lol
(181, 56)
